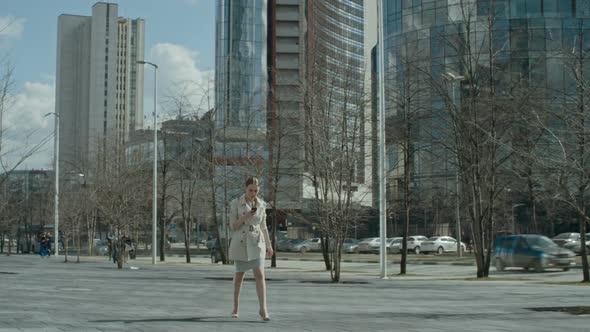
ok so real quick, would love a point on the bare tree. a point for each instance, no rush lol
(334, 113)
(480, 117)
(120, 194)
(407, 88)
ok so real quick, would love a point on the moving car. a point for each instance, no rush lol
(440, 245)
(530, 251)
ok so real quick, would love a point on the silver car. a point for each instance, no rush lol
(566, 238)
(394, 245)
(308, 245)
(576, 246)
(371, 244)
(350, 246)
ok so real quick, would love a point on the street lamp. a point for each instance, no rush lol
(381, 153)
(56, 169)
(513, 219)
(455, 79)
(155, 201)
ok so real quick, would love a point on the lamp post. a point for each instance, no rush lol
(381, 153)
(155, 199)
(56, 169)
(454, 80)
(513, 218)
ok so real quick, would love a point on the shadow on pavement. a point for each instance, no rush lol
(217, 319)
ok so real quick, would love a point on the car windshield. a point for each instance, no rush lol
(541, 241)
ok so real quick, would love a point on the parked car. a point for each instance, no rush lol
(394, 245)
(440, 245)
(576, 247)
(415, 243)
(370, 244)
(308, 245)
(530, 251)
(287, 244)
(350, 246)
(282, 245)
(566, 238)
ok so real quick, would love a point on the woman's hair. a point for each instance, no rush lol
(252, 180)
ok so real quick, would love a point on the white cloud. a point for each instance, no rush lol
(11, 27)
(179, 77)
(25, 126)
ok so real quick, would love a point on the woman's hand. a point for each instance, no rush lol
(247, 216)
(269, 251)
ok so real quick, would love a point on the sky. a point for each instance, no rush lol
(179, 37)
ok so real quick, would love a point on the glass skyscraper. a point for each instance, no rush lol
(427, 38)
(240, 64)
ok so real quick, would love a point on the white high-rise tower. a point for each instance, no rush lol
(99, 87)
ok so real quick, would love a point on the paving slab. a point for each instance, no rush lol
(49, 295)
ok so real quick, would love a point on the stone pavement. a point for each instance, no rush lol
(48, 295)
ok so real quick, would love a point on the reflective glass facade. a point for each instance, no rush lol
(240, 64)
(338, 38)
(528, 37)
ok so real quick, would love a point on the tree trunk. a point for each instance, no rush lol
(324, 239)
(336, 258)
(187, 240)
(404, 260)
(65, 241)
(273, 240)
(79, 244)
(162, 239)
(120, 252)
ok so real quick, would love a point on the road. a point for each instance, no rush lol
(49, 295)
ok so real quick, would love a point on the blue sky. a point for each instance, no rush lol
(179, 37)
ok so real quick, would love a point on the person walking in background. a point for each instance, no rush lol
(44, 245)
(249, 243)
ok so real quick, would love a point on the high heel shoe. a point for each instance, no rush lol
(235, 315)
(263, 316)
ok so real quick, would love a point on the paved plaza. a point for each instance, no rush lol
(49, 295)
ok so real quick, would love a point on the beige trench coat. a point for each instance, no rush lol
(247, 242)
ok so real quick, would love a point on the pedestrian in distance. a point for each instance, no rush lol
(44, 246)
(249, 243)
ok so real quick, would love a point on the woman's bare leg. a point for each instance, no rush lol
(261, 290)
(238, 280)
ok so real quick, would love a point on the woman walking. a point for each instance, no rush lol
(249, 243)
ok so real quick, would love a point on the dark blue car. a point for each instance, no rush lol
(530, 251)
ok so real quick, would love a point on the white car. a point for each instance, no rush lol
(440, 245)
(371, 244)
(415, 243)
(394, 245)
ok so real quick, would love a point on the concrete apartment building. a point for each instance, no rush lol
(99, 87)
